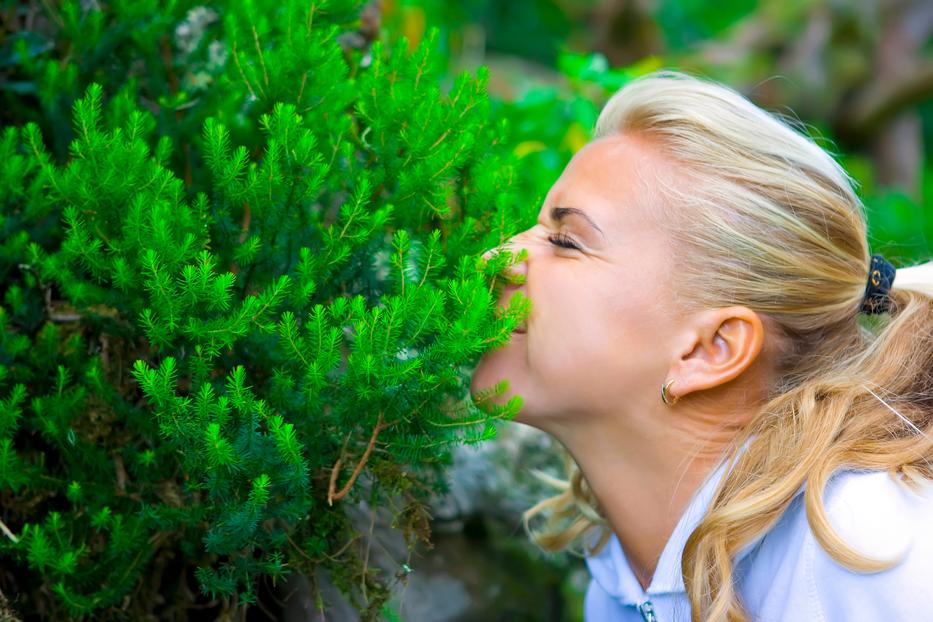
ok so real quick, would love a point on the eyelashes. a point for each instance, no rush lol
(562, 241)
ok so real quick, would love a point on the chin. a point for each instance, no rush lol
(508, 362)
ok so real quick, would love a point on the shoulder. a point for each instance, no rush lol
(875, 512)
(881, 518)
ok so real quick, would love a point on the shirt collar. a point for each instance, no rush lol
(610, 567)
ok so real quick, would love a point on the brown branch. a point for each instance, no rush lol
(121, 474)
(165, 48)
(336, 496)
(334, 558)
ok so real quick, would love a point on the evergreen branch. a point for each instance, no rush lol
(461, 424)
(401, 243)
(288, 328)
(278, 289)
(311, 10)
(357, 201)
(333, 155)
(262, 62)
(449, 162)
(424, 61)
(336, 496)
(390, 324)
(88, 112)
(34, 140)
(301, 89)
(463, 113)
(425, 315)
(236, 59)
(431, 252)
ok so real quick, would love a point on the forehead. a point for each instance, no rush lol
(610, 179)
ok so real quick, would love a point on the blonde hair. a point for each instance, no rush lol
(770, 221)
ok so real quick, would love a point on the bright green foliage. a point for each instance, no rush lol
(251, 267)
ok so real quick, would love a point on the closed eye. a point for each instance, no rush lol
(562, 241)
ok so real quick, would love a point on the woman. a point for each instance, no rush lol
(741, 445)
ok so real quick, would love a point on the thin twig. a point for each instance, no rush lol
(6, 530)
(331, 495)
(262, 62)
(301, 90)
(311, 16)
(369, 545)
(236, 60)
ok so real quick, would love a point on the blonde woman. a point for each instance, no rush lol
(744, 392)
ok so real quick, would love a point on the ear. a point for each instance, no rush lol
(720, 345)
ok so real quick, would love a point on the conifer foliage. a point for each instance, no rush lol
(241, 289)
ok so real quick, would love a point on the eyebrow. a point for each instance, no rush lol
(559, 213)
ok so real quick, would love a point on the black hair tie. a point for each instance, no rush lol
(880, 278)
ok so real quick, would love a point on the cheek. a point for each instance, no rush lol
(615, 344)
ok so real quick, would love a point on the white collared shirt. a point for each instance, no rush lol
(785, 575)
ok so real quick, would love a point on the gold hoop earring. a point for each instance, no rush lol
(666, 397)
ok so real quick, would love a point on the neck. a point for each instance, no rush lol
(645, 478)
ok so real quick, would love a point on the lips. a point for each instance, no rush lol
(521, 330)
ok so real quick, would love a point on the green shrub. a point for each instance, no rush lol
(241, 287)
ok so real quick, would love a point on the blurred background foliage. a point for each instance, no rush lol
(857, 76)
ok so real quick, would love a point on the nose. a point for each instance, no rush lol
(507, 245)
(518, 241)
(513, 244)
